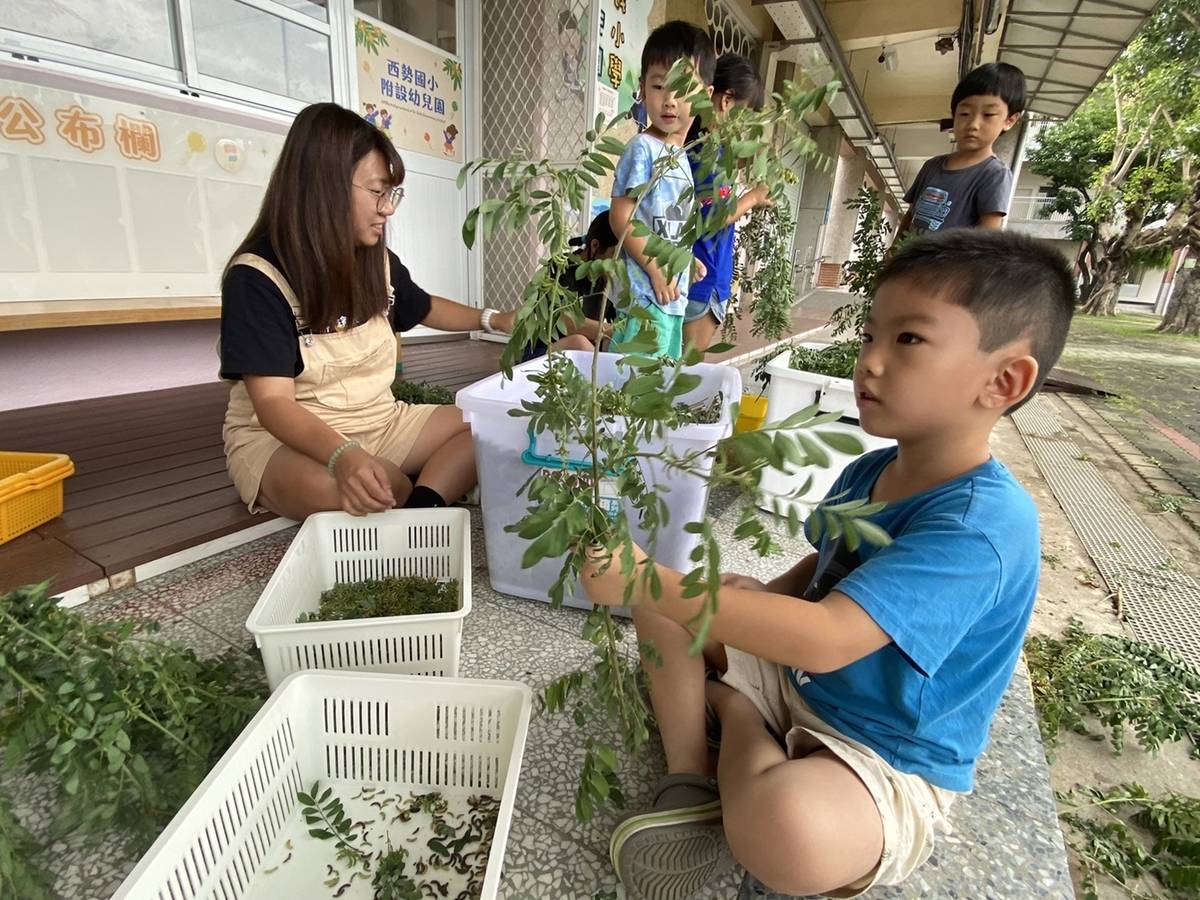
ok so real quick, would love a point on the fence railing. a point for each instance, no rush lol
(1028, 207)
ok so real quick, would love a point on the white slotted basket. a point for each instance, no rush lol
(333, 547)
(347, 730)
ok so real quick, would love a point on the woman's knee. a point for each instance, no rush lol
(574, 342)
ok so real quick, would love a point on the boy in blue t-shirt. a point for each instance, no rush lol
(848, 723)
(666, 206)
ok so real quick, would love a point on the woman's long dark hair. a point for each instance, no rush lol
(734, 75)
(306, 216)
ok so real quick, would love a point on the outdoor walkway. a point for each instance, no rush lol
(1158, 379)
(1006, 842)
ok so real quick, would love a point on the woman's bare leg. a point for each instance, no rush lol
(443, 457)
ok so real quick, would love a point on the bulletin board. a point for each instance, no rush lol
(410, 90)
(110, 198)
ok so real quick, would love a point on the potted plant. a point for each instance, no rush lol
(616, 491)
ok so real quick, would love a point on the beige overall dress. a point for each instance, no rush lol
(346, 383)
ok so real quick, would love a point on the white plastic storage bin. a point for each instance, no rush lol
(503, 444)
(801, 389)
(335, 547)
(347, 731)
(790, 391)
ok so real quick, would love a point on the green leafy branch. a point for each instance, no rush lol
(1122, 684)
(614, 425)
(1126, 835)
(126, 726)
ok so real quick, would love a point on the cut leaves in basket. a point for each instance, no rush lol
(410, 595)
(450, 863)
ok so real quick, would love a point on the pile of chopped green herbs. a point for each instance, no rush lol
(418, 393)
(376, 598)
(1082, 680)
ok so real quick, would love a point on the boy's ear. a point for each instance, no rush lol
(1012, 120)
(1015, 376)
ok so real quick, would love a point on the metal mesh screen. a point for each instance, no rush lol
(1161, 601)
(535, 75)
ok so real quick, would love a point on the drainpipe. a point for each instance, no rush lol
(1018, 160)
(833, 52)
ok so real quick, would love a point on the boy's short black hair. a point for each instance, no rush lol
(1013, 285)
(998, 79)
(600, 230)
(680, 40)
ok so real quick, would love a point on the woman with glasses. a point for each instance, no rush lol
(310, 302)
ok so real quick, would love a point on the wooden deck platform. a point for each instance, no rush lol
(150, 475)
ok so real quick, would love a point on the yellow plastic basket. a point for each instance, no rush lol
(31, 490)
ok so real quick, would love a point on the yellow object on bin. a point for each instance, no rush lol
(752, 413)
(31, 490)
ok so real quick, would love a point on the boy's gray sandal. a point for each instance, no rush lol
(677, 848)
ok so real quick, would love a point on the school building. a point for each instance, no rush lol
(136, 137)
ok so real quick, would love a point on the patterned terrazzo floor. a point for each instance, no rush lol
(1006, 843)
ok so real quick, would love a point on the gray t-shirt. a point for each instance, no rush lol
(958, 198)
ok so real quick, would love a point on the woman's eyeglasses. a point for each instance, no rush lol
(385, 198)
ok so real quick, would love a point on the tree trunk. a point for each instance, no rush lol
(1086, 263)
(1107, 278)
(1183, 312)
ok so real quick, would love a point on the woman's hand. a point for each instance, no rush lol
(363, 483)
(607, 588)
(503, 321)
(699, 270)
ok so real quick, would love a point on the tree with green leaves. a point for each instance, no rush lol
(620, 425)
(1125, 164)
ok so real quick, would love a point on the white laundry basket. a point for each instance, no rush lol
(335, 547)
(347, 730)
(506, 456)
(790, 391)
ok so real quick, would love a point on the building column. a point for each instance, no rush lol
(839, 231)
(813, 205)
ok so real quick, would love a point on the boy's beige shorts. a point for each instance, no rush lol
(912, 810)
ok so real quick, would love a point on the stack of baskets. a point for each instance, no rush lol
(31, 490)
(353, 708)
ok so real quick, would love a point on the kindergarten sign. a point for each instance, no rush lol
(410, 91)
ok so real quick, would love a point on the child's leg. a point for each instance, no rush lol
(675, 848)
(801, 826)
(676, 691)
(699, 332)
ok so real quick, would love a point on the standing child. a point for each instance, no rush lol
(970, 188)
(734, 84)
(666, 206)
(857, 688)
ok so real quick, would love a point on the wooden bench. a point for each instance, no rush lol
(33, 314)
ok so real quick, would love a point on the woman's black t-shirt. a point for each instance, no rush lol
(258, 330)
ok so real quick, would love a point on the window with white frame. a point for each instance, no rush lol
(274, 53)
